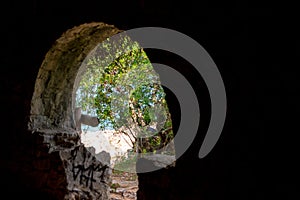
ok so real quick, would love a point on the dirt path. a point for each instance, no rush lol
(124, 186)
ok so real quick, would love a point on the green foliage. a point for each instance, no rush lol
(122, 89)
(114, 186)
(127, 164)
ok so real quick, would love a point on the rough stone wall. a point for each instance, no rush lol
(52, 103)
(60, 167)
(68, 171)
(159, 184)
(88, 176)
(42, 173)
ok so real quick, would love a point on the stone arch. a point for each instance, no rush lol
(78, 174)
(52, 103)
(73, 169)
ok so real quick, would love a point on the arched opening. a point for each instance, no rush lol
(54, 115)
(121, 109)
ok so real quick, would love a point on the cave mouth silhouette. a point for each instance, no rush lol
(53, 103)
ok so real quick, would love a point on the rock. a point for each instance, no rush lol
(161, 160)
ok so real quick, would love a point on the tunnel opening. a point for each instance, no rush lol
(57, 115)
(121, 109)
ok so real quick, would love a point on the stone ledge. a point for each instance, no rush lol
(59, 139)
(161, 160)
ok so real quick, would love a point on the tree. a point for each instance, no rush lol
(121, 87)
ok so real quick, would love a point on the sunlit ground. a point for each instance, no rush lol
(107, 140)
(124, 184)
